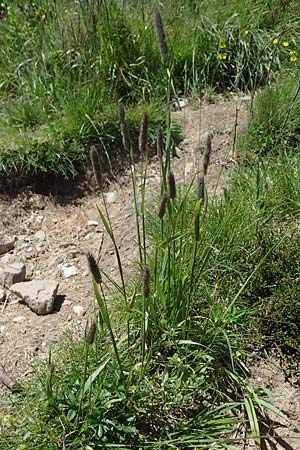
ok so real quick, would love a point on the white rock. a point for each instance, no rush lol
(40, 235)
(39, 295)
(19, 319)
(5, 258)
(2, 328)
(111, 197)
(78, 310)
(12, 273)
(92, 223)
(7, 243)
(69, 270)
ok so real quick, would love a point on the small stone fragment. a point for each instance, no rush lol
(39, 295)
(92, 223)
(19, 319)
(69, 271)
(110, 197)
(40, 235)
(78, 310)
(7, 243)
(12, 273)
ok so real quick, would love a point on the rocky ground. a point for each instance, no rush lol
(49, 240)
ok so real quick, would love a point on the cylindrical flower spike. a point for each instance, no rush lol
(161, 37)
(160, 142)
(90, 338)
(146, 282)
(143, 133)
(121, 112)
(200, 186)
(172, 184)
(94, 268)
(125, 136)
(162, 205)
(95, 160)
(207, 153)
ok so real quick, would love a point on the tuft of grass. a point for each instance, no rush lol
(274, 126)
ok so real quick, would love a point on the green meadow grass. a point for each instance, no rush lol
(64, 65)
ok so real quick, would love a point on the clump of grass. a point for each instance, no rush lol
(274, 126)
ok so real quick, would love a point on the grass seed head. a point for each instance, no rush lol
(172, 184)
(162, 205)
(90, 338)
(200, 186)
(121, 112)
(160, 142)
(146, 282)
(51, 369)
(95, 160)
(207, 153)
(143, 133)
(94, 268)
(125, 136)
(161, 37)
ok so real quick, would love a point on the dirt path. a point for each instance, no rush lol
(51, 238)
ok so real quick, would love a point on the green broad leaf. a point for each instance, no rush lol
(253, 422)
(94, 375)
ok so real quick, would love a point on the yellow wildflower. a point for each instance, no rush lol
(231, 93)
(44, 17)
(275, 41)
(222, 56)
(293, 58)
(7, 418)
(285, 44)
(246, 32)
(292, 52)
(222, 43)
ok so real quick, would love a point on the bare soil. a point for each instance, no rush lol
(52, 238)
